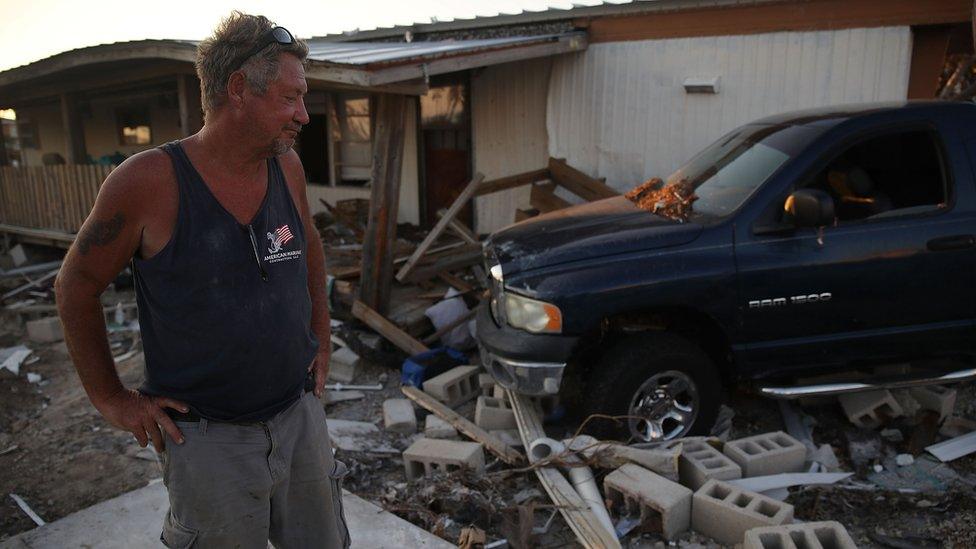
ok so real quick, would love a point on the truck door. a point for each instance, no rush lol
(894, 276)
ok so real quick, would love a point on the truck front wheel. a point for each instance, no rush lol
(665, 385)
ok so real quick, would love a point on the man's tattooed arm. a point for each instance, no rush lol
(100, 233)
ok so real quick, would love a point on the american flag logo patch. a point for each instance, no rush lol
(279, 238)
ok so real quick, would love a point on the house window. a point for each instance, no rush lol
(350, 138)
(27, 135)
(134, 126)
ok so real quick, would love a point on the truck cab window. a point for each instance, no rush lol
(886, 176)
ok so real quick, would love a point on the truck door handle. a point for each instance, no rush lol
(956, 242)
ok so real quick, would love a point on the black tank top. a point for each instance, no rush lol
(224, 308)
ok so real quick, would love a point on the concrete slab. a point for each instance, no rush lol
(134, 520)
(357, 436)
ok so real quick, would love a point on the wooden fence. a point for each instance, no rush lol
(53, 198)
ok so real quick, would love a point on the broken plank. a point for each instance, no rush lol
(456, 282)
(465, 257)
(387, 329)
(434, 233)
(460, 228)
(545, 200)
(512, 181)
(492, 443)
(575, 511)
(579, 183)
(355, 270)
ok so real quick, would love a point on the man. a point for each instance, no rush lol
(230, 283)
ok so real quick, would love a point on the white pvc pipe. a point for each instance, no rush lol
(581, 478)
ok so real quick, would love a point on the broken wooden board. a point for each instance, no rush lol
(460, 229)
(579, 183)
(387, 329)
(492, 443)
(581, 520)
(512, 181)
(435, 233)
(456, 282)
(460, 258)
(545, 200)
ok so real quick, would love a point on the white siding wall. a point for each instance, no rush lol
(508, 118)
(618, 110)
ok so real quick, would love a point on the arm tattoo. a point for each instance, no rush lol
(100, 233)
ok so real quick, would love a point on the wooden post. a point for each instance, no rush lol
(191, 113)
(74, 131)
(384, 203)
(4, 159)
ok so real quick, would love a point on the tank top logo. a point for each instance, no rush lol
(278, 240)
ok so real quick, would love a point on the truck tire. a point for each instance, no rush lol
(661, 377)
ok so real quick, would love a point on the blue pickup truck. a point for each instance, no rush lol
(828, 251)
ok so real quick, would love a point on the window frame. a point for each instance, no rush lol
(120, 113)
(927, 127)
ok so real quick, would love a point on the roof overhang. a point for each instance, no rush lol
(393, 67)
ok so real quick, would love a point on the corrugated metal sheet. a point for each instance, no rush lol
(508, 114)
(619, 110)
(370, 53)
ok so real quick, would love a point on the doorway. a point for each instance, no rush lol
(445, 128)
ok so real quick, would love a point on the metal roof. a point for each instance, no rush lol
(558, 10)
(384, 53)
(357, 64)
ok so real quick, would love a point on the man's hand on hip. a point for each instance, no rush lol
(320, 369)
(143, 416)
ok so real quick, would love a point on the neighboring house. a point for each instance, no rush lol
(621, 91)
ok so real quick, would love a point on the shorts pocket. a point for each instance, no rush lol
(175, 535)
(339, 472)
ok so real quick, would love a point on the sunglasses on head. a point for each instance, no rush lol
(276, 34)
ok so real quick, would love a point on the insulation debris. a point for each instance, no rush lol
(671, 201)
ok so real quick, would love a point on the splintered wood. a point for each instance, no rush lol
(672, 201)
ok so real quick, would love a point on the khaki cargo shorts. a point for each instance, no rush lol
(241, 485)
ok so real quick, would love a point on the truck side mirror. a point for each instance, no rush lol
(810, 208)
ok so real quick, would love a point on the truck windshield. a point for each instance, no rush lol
(726, 173)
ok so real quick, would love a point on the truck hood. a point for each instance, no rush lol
(606, 227)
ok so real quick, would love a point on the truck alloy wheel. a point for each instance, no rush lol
(667, 405)
(657, 385)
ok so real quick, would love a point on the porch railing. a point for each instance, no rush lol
(49, 198)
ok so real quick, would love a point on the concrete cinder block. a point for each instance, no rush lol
(486, 383)
(508, 436)
(427, 455)
(664, 506)
(870, 409)
(494, 413)
(497, 391)
(19, 255)
(398, 416)
(767, 454)
(342, 365)
(435, 427)
(455, 386)
(724, 512)
(45, 330)
(811, 534)
(936, 398)
(699, 462)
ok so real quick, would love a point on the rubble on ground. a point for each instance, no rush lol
(434, 439)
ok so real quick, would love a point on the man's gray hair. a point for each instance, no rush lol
(220, 55)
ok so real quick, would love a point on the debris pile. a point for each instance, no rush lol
(673, 201)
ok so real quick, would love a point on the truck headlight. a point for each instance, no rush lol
(532, 315)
